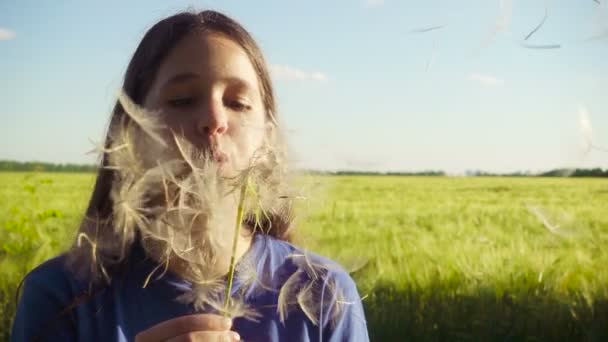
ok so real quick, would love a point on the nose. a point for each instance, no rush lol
(212, 119)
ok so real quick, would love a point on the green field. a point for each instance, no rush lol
(439, 259)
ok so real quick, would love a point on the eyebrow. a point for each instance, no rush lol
(189, 76)
(179, 78)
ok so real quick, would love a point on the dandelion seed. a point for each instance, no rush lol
(313, 289)
(100, 149)
(93, 244)
(239, 309)
(288, 291)
(246, 272)
(541, 46)
(501, 25)
(427, 29)
(185, 153)
(204, 293)
(542, 22)
(151, 274)
(307, 300)
(555, 229)
(298, 197)
(599, 36)
(308, 266)
(585, 128)
(337, 295)
(313, 269)
(124, 159)
(147, 122)
(165, 266)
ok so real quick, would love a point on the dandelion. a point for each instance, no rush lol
(174, 196)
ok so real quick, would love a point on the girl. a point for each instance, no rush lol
(186, 236)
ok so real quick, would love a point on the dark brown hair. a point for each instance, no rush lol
(141, 72)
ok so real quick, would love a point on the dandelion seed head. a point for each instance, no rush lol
(177, 201)
(237, 308)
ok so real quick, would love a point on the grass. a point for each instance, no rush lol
(38, 217)
(465, 259)
(437, 258)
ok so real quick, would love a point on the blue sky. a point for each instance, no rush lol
(358, 86)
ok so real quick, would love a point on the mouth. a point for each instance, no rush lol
(219, 156)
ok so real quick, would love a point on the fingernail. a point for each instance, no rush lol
(227, 323)
(235, 336)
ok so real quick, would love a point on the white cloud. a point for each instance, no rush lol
(6, 34)
(287, 73)
(486, 80)
(374, 3)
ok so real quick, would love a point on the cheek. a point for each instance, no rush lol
(248, 137)
(184, 125)
(177, 122)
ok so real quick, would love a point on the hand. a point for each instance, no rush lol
(203, 327)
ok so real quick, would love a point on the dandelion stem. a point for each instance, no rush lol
(237, 232)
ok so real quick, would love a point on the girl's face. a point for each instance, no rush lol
(207, 91)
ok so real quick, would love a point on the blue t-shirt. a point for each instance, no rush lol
(55, 306)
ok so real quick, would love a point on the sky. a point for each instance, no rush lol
(362, 84)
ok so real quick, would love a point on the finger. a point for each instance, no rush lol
(183, 325)
(207, 336)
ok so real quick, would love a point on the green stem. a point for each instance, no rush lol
(239, 222)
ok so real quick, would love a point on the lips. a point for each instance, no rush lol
(219, 156)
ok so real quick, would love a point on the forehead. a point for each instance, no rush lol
(212, 56)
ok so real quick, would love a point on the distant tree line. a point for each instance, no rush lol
(11, 165)
(17, 166)
(372, 173)
(390, 173)
(595, 172)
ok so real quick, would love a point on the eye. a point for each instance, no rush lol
(239, 106)
(181, 102)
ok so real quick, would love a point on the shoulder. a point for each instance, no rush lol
(319, 288)
(54, 281)
(47, 291)
(294, 258)
(50, 280)
(51, 272)
(286, 258)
